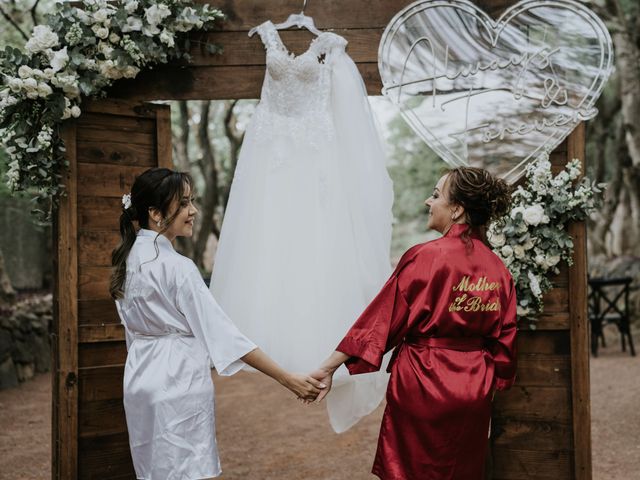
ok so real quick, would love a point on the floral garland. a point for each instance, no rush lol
(81, 52)
(532, 239)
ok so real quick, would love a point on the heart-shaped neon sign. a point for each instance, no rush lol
(495, 93)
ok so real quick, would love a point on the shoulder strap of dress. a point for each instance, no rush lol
(268, 34)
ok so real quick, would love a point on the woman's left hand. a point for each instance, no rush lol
(305, 387)
(324, 375)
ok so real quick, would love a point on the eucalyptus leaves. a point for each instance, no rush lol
(532, 239)
(80, 52)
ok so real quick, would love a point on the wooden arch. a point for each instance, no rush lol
(541, 428)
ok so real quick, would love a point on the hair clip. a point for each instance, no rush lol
(126, 201)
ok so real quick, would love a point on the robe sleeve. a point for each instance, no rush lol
(224, 343)
(503, 349)
(380, 327)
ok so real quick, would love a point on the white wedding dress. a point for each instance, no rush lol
(305, 240)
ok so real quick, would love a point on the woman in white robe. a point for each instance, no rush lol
(175, 332)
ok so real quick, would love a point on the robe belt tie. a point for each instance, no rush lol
(156, 336)
(462, 344)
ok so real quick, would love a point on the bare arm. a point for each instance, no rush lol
(305, 387)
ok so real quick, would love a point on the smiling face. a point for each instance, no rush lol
(182, 224)
(442, 213)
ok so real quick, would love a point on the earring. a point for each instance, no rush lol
(158, 222)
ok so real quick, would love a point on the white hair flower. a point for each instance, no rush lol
(126, 201)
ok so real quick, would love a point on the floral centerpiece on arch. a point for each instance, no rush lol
(532, 238)
(80, 52)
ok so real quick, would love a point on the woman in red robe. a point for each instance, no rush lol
(450, 310)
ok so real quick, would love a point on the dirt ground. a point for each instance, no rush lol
(265, 434)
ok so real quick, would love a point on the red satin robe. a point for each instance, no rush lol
(450, 308)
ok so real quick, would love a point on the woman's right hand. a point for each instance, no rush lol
(305, 387)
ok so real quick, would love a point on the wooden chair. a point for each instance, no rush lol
(604, 299)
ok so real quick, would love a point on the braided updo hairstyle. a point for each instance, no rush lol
(154, 188)
(483, 196)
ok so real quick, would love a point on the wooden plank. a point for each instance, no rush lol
(211, 83)
(550, 342)
(556, 300)
(101, 354)
(544, 370)
(103, 134)
(120, 107)
(164, 137)
(550, 404)
(95, 247)
(106, 458)
(107, 181)
(580, 330)
(97, 312)
(108, 332)
(65, 393)
(240, 49)
(118, 122)
(512, 464)
(514, 433)
(112, 153)
(548, 321)
(93, 283)
(99, 213)
(101, 417)
(100, 383)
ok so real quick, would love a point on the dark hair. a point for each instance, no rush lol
(483, 196)
(154, 188)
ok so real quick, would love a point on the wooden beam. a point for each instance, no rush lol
(65, 396)
(579, 330)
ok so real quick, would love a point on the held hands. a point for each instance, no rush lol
(323, 374)
(306, 388)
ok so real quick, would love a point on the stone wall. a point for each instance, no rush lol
(25, 345)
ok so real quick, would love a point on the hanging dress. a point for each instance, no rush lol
(305, 239)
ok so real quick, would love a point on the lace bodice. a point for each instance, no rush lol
(297, 88)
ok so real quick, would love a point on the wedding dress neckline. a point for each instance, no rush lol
(284, 47)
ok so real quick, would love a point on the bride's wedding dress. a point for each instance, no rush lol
(305, 239)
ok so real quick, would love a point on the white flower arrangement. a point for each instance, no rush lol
(80, 52)
(532, 239)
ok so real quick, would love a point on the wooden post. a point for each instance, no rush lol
(579, 329)
(65, 342)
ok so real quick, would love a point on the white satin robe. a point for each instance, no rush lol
(175, 333)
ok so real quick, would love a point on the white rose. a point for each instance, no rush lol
(552, 260)
(49, 72)
(15, 84)
(66, 114)
(533, 215)
(497, 239)
(44, 90)
(540, 260)
(156, 13)
(528, 245)
(506, 251)
(133, 25)
(41, 39)
(150, 30)
(518, 251)
(105, 49)
(101, 15)
(25, 71)
(75, 111)
(167, 38)
(131, 71)
(82, 16)
(101, 32)
(131, 6)
(521, 311)
(30, 84)
(114, 38)
(59, 60)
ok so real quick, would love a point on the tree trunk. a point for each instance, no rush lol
(181, 141)
(7, 293)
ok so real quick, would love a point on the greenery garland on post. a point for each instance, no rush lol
(80, 52)
(532, 238)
